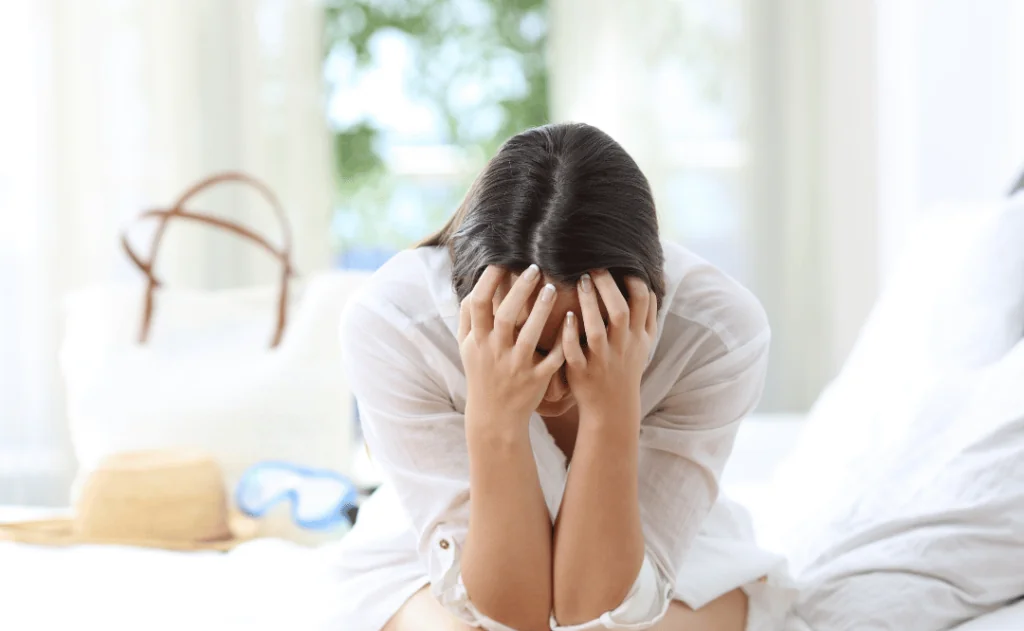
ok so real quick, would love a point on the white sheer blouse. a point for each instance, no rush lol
(705, 375)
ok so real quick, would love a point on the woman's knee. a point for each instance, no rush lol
(726, 613)
(422, 612)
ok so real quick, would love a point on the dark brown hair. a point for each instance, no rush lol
(566, 197)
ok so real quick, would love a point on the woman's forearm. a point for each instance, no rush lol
(598, 543)
(506, 564)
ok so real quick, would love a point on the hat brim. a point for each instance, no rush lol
(60, 532)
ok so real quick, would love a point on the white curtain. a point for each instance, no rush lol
(110, 107)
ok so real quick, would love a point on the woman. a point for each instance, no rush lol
(546, 324)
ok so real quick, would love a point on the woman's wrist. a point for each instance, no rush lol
(622, 414)
(495, 428)
(607, 438)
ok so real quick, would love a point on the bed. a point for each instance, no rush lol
(266, 585)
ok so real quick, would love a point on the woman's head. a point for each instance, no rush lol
(568, 198)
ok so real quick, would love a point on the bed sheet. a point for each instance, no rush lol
(263, 585)
(270, 585)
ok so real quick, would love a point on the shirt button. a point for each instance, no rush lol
(444, 544)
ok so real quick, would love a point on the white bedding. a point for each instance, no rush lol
(1006, 619)
(268, 585)
(263, 585)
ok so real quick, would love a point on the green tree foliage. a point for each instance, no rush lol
(491, 50)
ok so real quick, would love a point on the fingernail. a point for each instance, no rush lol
(531, 272)
(585, 283)
(570, 318)
(547, 293)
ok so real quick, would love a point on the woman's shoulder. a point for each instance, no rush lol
(413, 286)
(699, 293)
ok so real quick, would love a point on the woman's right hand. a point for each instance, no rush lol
(505, 375)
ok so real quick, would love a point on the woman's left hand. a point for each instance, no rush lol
(605, 377)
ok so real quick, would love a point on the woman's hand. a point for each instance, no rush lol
(505, 376)
(605, 378)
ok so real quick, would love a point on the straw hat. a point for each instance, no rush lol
(173, 500)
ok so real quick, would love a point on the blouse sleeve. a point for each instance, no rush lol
(686, 441)
(684, 445)
(417, 438)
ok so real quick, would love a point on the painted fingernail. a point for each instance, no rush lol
(586, 284)
(531, 272)
(547, 293)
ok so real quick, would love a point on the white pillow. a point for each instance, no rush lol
(954, 301)
(980, 312)
(936, 535)
(888, 447)
(1009, 617)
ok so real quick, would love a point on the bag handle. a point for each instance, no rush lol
(177, 211)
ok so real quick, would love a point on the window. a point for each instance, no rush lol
(700, 87)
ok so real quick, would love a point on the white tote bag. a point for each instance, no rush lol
(247, 375)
